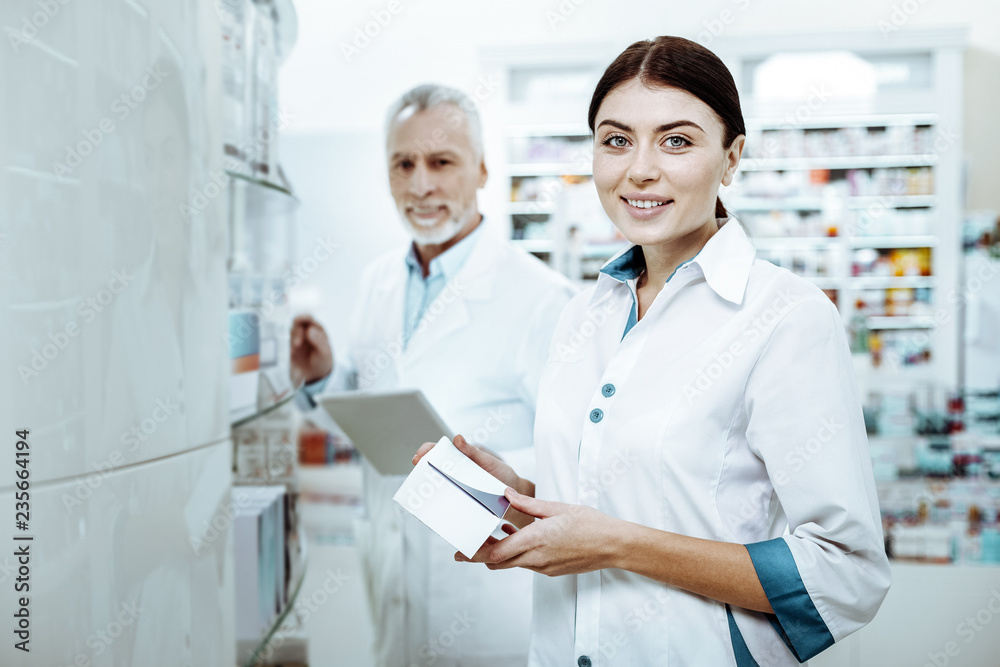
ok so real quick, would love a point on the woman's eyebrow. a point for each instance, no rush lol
(662, 128)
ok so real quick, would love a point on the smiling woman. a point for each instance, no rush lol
(673, 519)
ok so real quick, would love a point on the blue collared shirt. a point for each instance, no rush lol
(421, 291)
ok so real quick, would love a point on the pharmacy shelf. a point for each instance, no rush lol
(531, 207)
(909, 241)
(254, 650)
(534, 245)
(816, 203)
(590, 251)
(549, 130)
(848, 162)
(890, 282)
(779, 242)
(836, 122)
(528, 169)
(874, 322)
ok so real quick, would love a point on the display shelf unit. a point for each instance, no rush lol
(544, 151)
(255, 650)
(875, 164)
(262, 210)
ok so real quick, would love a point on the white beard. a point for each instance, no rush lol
(432, 235)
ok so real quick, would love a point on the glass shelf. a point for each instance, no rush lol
(261, 183)
(255, 649)
(244, 415)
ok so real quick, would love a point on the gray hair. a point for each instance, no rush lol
(429, 95)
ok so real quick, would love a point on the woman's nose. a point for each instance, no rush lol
(643, 167)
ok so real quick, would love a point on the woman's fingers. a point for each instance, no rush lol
(540, 509)
(424, 448)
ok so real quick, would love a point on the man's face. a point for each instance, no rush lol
(434, 172)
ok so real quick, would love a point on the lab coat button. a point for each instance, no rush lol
(583, 661)
(596, 415)
(608, 390)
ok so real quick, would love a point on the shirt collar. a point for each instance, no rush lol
(450, 261)
(725, 261)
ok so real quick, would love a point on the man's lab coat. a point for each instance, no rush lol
(477, 355)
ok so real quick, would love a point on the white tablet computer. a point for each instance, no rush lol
(387, 427)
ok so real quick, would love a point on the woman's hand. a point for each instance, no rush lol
(495, 466)
(485, 459)
(565, 539)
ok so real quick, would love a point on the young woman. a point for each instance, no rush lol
(705, 494)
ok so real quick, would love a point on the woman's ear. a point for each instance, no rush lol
(733, 155)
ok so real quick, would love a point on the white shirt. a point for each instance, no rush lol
(728, 412)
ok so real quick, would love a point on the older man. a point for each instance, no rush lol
(465, 317)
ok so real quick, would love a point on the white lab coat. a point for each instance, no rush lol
(729, 412)
(477, 355)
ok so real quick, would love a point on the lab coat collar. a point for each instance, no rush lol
(725, 261)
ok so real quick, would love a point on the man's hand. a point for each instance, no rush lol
(311, 356)
(495, 466)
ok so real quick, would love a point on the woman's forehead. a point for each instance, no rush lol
(638, 104)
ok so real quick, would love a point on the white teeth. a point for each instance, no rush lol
(644, 203)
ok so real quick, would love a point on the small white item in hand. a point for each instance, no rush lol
(450, 494)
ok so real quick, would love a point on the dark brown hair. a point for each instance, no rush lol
(678, 63)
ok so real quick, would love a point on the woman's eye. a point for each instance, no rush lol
(677, 142)
(616, 141)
